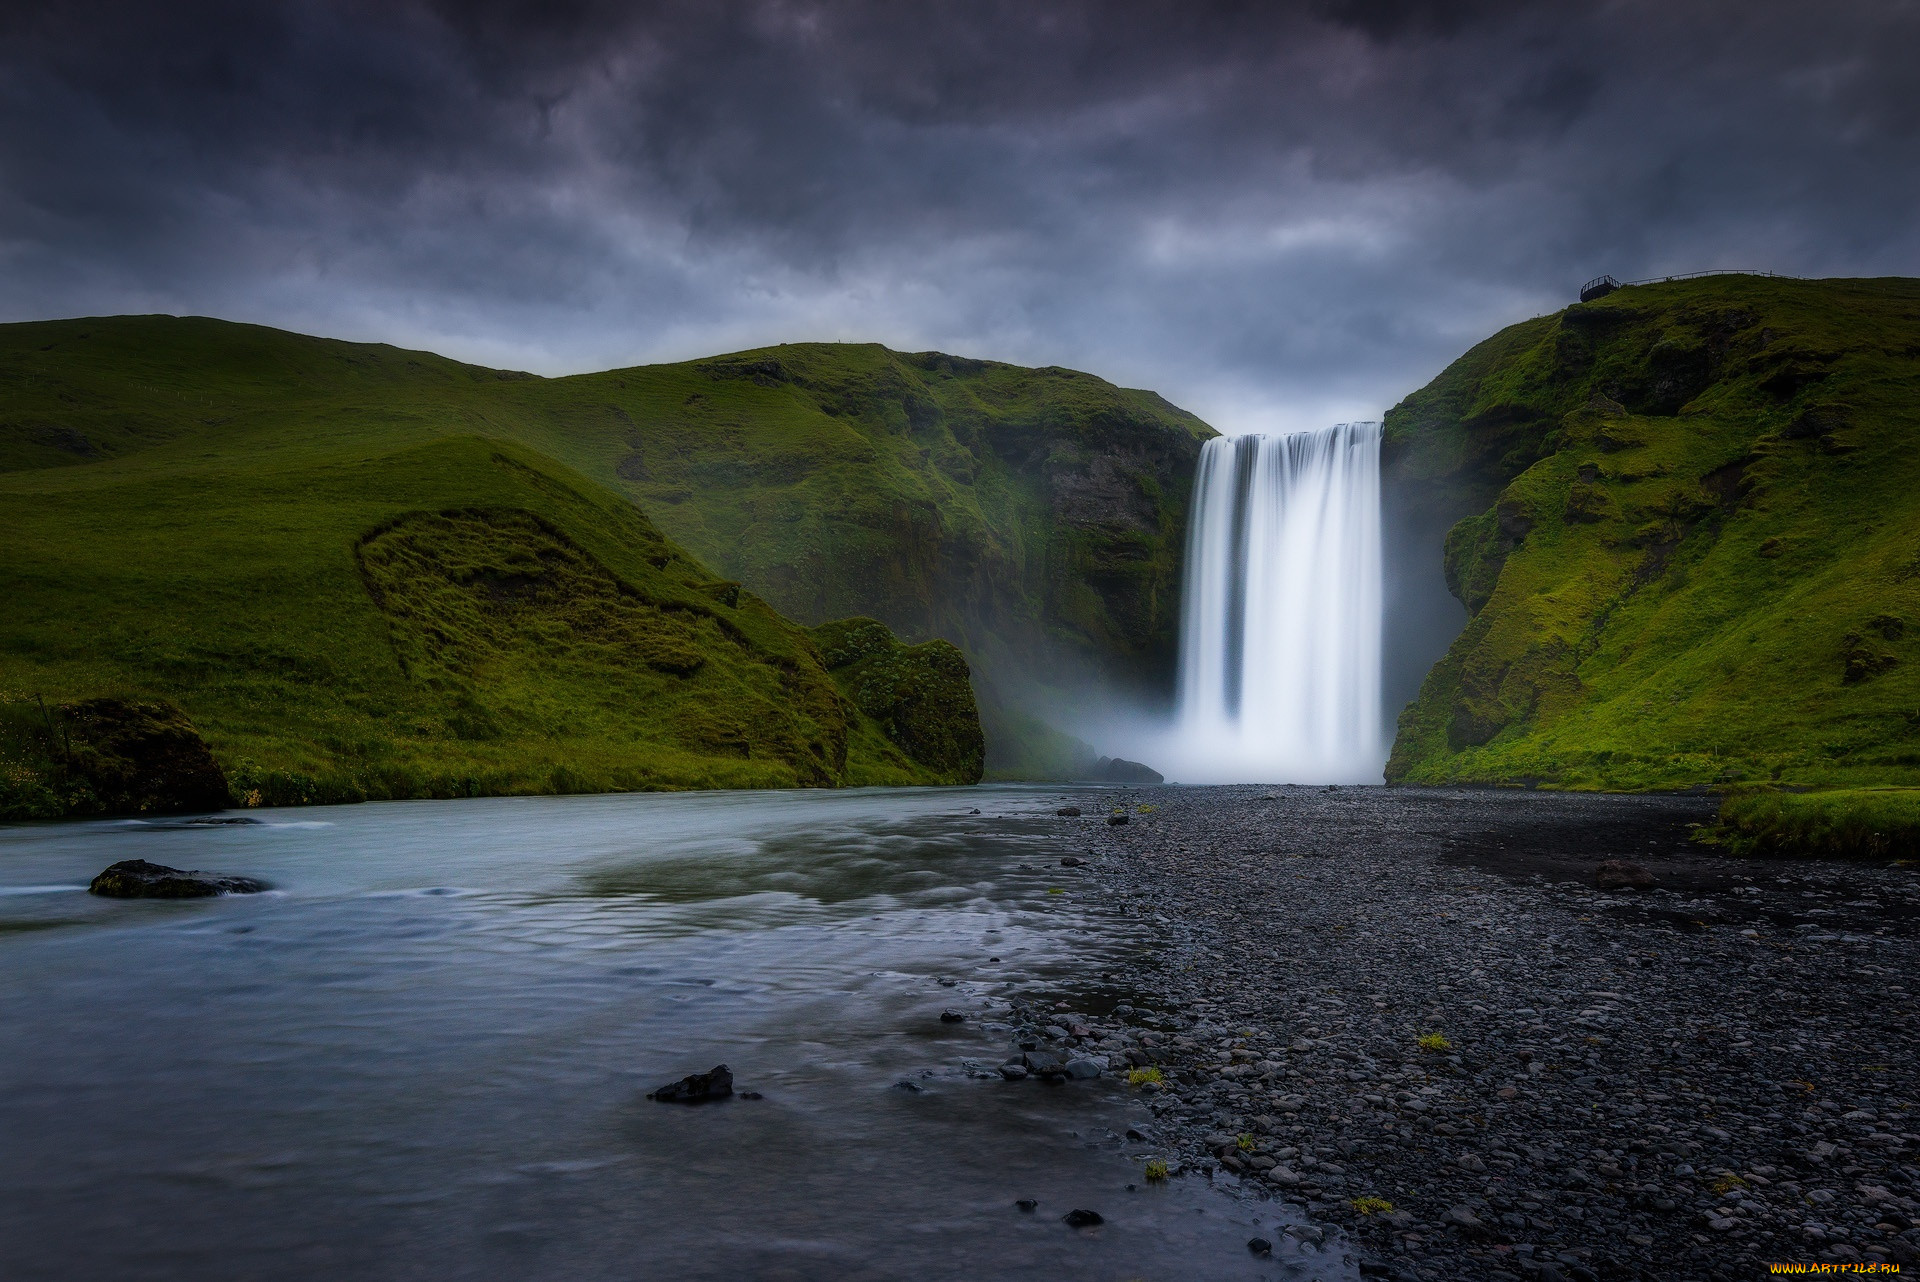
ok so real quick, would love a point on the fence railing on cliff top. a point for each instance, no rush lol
(1601, 286)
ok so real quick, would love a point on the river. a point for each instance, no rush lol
(424, 1054)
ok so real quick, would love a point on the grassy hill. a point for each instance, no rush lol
(1035, 517)
(1689, 540)
(359, 574)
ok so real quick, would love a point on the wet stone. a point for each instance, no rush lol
(139, 879)
(696, 1088)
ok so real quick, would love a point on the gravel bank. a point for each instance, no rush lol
(1683, 1082)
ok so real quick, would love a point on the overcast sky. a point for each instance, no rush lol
(1278, 215)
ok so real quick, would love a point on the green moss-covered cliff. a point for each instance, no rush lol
(1688, 538)
(351, 572)
(1034, 517)
(919, 697)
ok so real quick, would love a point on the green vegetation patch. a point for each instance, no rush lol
(1846, 823)
(522, 632)
(1690, 553)
(920, 695)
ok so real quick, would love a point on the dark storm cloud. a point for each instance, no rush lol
(1301, 209)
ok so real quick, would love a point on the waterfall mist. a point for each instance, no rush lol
(1280, 660)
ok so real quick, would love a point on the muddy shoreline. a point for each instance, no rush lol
(1688, 1081)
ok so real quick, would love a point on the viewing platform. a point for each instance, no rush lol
(1601, 286)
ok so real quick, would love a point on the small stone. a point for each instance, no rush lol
(1068, 812)
(1072, 861)
(1080, 1219)
(1259, 1246)
(952, 1017)
(1044, 1064)
(1622, 874)
(1082, 1069)
(1013, 1070)
(751, 1095)
(1027, 1204)
(1116, 820)
(904, 1085)
(694, 1088)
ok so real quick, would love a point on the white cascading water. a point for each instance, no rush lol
(1280, 638)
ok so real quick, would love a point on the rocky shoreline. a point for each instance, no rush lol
(1415, 1014)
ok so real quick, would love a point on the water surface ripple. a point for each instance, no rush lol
(424, 1054)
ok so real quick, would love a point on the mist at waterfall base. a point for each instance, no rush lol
(1280, 639)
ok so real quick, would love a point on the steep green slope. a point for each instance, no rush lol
(1693, 553)
(353, 580)
(1034, 517)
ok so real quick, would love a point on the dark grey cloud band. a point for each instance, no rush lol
(1260, 209)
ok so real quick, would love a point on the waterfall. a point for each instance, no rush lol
(1280, 637)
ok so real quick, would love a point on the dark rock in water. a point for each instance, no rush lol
(1080, 1219)
(1013, 1070)
(912, 1088)
(138, 879)
(1082, 1069)
(751, 1095)
(1045, 1064)
(1622, 874)
(1028, 1204)
(1072, 861)
(716, 1083)
(1259, 1246)
(951, 1017)
(1068, 812)
(1116, 820)
(1120, 770)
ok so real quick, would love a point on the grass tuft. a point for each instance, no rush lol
(1848, 823)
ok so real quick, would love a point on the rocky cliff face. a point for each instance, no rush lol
(1682, 528)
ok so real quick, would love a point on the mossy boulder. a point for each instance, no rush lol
(142, 757)
(920, 695)
(139, 879)
(104, 756)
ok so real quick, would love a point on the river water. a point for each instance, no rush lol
(424, 1054)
